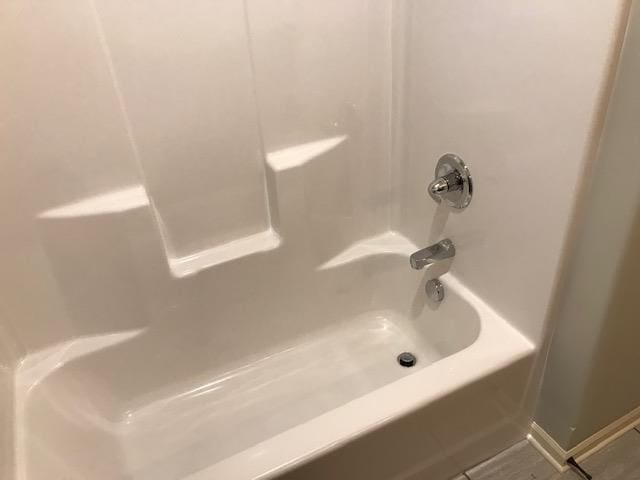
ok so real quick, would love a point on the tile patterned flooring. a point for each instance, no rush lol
(620, 460)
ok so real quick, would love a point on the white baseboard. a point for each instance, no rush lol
(557, 456)
(548, 447)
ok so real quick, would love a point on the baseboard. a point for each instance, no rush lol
(548, 447)
(557, 456)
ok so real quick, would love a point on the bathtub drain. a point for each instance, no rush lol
(407, 359)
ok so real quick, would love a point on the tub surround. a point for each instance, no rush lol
(519, 96)
(213, 208)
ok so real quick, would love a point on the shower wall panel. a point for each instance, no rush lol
(186, 82)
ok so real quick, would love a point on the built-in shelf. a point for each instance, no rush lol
(107, 203)
(38, 365)
(128, 199)
(135, 197)
(386, 243)
(300, 154)
(241, 247)
(278, 161)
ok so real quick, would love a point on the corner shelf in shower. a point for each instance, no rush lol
(118, 201)
(132, 198)
(278, 161)
(302, 153)
(389, 242)
(240, 247)
(40, 364)
(135, 197)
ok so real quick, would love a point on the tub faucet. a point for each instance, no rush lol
(439, 251)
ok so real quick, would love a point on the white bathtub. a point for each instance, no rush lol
(262, 388)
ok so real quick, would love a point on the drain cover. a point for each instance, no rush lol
(407, 359)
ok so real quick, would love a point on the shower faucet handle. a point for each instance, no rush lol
(453, 183)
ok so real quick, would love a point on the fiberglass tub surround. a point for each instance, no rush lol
(228, 197)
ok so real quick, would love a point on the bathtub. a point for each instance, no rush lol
(226, 383)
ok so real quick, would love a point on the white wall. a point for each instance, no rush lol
(322, 70)
(182, 71)
(591, 376)
(184, 104)
(63, 138)
(515, 89)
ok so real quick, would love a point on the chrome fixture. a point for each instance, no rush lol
(453, 182)
(435, 290)
(440, 251)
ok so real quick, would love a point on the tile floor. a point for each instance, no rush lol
(620, 460)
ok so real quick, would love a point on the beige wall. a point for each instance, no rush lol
(591, 377)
